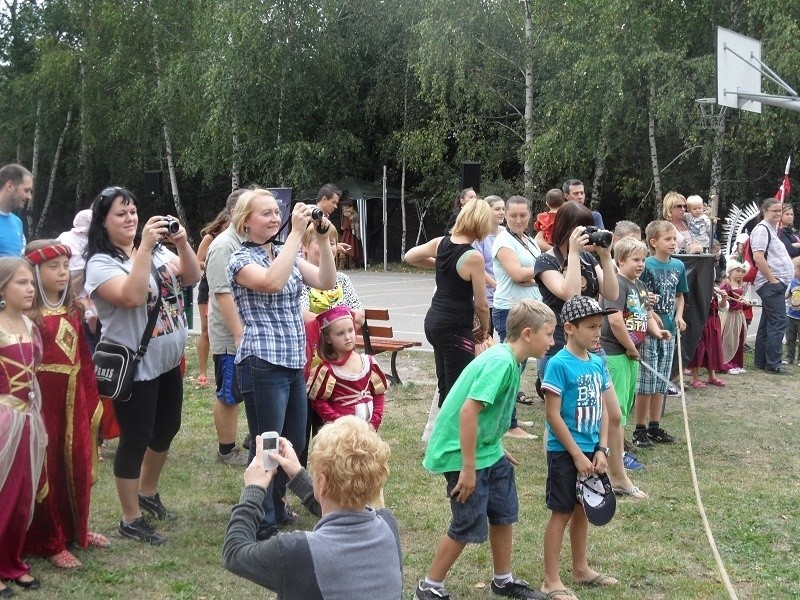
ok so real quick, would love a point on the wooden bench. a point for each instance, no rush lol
(375, 339)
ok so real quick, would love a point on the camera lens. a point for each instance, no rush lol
(599, 237)
(172, 225)
(317, 214)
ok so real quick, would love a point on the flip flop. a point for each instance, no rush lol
(633, 492)
(698, 385)
(717, 382)
(600, 580)
(523, 399)
(555, 594)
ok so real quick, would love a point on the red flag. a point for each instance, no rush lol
(783, 191)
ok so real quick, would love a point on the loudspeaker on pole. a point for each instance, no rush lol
(471, 175)
(152, 184)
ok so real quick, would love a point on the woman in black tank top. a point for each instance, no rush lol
(460, 292)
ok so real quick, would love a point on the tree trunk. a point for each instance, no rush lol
(527, 166)
(83, 151)
(37, 135)
(236, 166)
(599, 166)
(173, 175)
(716, 155)
(403, 162)
(53, 171)
(651, 133)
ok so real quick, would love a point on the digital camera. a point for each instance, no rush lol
(599, 237)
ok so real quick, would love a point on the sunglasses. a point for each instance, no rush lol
(683, 206)
(111, 192)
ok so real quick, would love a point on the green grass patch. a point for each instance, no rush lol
(745, 437)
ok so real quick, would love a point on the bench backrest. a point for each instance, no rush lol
(369, 329)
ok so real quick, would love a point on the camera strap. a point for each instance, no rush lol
(526, 241)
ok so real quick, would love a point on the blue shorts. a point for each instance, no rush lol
(225, 376)
(494, 501)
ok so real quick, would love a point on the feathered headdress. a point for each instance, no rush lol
(736, 222)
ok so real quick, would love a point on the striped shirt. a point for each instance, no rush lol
(273, 323)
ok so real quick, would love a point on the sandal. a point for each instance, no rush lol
(717, 382)
(632, 492)
(65, 560)
(201, 380)
(523, 399)
(698, 385)
(98, 540)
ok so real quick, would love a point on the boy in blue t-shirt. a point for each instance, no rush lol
(665, 277)
(466, 448)
(576, 388)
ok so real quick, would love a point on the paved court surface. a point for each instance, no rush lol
(408, 297)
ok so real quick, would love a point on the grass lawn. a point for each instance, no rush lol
(746, 440)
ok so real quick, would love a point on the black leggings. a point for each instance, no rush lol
(453, 350)
(150, 419)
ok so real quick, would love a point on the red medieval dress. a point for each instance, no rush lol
(22, 445)
(709, 348)
(335, 394)
(354, 257)
(71, 410)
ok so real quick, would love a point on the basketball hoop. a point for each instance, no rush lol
(710, 112)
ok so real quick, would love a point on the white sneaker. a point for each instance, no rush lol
(525, 423)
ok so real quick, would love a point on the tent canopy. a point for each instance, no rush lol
(357, 189)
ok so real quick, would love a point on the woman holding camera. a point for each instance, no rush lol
(266, 282)
(569, 269)
(126, 273)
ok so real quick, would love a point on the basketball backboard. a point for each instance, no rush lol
(738, 69)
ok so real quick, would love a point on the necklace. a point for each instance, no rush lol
(43, 295)
(12, 331)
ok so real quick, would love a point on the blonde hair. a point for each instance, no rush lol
(627, 246)
(353, 461)
(527, 313)
(694, 201)
(8, 266)
(244, 208)
(655, 229)
(310, 233)
(670, 200)
(627, 228)
(475, 220)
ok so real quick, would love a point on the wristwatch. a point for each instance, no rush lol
(602, 449)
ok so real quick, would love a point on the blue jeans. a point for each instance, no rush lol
(275, 399)
(771, 327)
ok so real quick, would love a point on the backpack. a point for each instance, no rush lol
(747, 256)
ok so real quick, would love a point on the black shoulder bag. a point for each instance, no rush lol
(115, 365)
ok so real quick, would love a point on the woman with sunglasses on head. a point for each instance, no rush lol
(674, 210)
(121, 267)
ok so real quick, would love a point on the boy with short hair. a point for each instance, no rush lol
(576, 387)
(665, 277)
(466, 448)
(622, 337)
(544, 221)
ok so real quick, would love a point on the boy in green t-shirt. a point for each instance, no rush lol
(466, 448)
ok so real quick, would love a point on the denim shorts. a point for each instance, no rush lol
(494, 501)
(562, 476)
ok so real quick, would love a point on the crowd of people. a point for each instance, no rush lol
(597, 312)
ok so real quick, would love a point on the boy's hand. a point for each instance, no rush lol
(465, 485)
(600, 462)
(510, 458)
(680, 323)
(664, 334)
(633, 354)
(583, 464)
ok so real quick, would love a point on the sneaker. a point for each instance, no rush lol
(516, 588)
(640, 439)
(672, 390)
(429, 593)
(141, 530)
(777, 371)
(525, 423)
(630, 462)
(659, 436)
(235, 458)
(786, 362)
(153, 506)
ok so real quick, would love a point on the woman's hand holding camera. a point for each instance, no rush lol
(578, 240)
(153, 232)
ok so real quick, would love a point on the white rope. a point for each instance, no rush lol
(706, 526)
